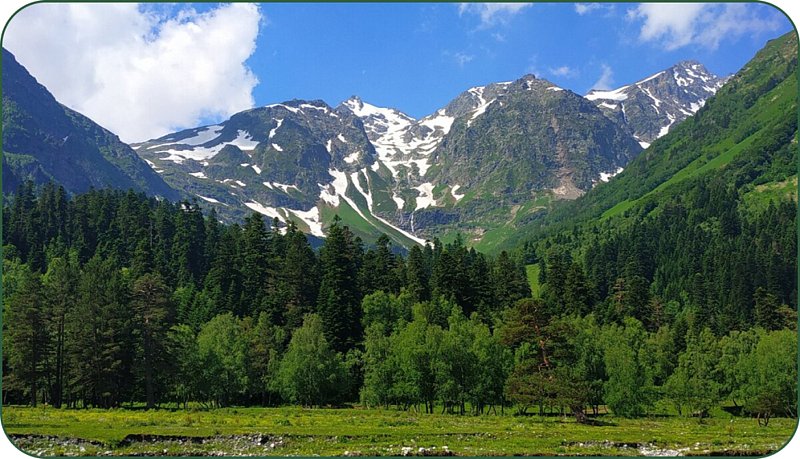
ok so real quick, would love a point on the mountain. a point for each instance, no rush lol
(744, 139)
(486, 164)
(299, 160)
(383, 171)
(44, 140)
(492, 156)
(653, 105)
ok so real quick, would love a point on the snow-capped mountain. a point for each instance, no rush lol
(653, 105)
(490, 159)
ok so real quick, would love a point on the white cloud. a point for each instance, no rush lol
(563, 71)
(606, 79)
(136, 73)
(675, 25)
(584, 8)
(462, 58)
(492, 14)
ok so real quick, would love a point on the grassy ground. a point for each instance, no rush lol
(532, 271)
(296, 431)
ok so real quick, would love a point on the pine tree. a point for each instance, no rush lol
(510, 281)
(99, 344)
(60, 291)
(28, 340)
(417, 275)
(254, 264)
(152, 316)
(339, 301)
(300, 277)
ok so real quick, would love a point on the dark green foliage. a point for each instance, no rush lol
(339, 303)
(100, 337)
(152, 315)
(26, 339)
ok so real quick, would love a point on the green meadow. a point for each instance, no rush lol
(378, 432)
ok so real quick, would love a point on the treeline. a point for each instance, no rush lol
(94, 284)
(114, 298)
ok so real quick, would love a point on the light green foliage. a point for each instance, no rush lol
(735, 363)
(628, 390)
(223, 352)
(694, 386)
(385, 310)
(380, 367)
(578, 355)
(771, 388)
(311, 372)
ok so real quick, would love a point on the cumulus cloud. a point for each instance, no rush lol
(675, 25)
(491, 14)
(136, 72)
(606, 79)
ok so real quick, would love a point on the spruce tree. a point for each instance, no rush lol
(339, 301)
(152, 315)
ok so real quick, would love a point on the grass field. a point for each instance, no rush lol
(297, 431)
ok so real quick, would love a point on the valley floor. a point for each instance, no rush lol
(375, 432)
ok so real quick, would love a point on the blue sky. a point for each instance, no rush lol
(146, 70)
(416, 57)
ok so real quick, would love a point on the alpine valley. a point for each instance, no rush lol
(618, 267)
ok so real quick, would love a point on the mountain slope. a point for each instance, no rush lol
(746, 135)
(493, 156)
(299, 160)
(651, 106)
(486, 164)
(44, 140)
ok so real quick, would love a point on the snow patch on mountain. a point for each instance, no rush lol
(425, 197)
(618, 94)
(272, 131)
(203, 135)
(454, 193)
(204, 198)
(606, 176)
(271, 212)
(311, 218)
(352, 157)
(284, 187)
(400, 202)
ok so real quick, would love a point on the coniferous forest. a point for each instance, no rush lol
(115, 299)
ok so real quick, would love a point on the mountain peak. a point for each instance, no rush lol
(353, 102)
(651, 106)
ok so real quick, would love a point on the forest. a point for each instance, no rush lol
(115, 299)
